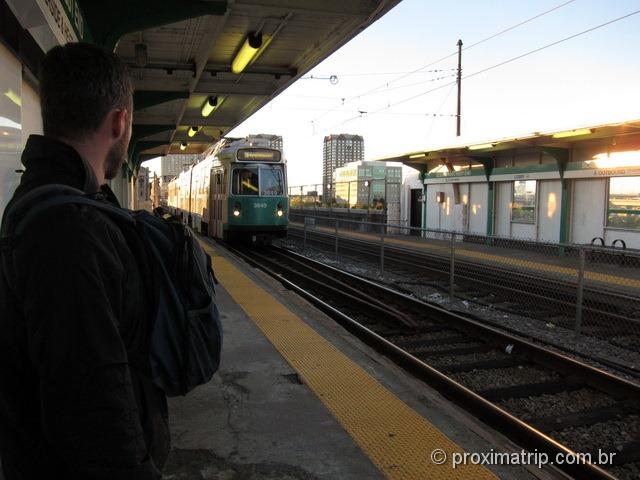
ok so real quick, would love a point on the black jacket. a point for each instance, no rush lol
(75, 402)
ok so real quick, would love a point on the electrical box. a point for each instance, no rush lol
(440, 197)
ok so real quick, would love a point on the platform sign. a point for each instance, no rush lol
(65, 19)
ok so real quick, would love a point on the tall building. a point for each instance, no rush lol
(275, 141)
(337, 151)
(172, 165)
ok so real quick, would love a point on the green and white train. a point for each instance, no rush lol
(236, 190)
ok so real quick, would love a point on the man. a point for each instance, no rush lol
(75, 398)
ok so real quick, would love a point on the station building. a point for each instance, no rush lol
(561, 187)
(362, 183)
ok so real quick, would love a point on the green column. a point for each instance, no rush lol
(424, 205)
(490, 202)
(565, 206)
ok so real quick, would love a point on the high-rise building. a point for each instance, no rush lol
(172, 165)
(274, 141)
(337, 151)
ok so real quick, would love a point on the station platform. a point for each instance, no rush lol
(297, 397)
(538, 261)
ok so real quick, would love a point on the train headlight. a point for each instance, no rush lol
(279, 212)
(236, 209)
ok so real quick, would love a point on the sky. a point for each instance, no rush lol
(588, 80)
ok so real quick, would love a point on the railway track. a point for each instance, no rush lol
(540, 399)
(603, 308)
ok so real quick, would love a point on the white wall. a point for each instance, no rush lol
(502, 209)
(10, 124)
(478, 208)
(548, 214)
(31, 113)
(631, 238)
(588, 209)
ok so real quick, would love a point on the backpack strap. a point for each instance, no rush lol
(35, 202)
(42, 198)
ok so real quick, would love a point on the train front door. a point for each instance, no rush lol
(415, 219)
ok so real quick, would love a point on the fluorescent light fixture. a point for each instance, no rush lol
(574, 133)
(183, 145)
(418, 155)
(480, 146)
(247, 52)
(211, 104)
(192, 131)
(14, 97)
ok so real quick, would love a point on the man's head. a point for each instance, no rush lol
(86, 97)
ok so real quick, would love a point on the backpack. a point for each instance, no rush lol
(186, 336)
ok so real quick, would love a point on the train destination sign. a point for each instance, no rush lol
(258, 155)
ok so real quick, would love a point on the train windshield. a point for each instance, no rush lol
(245, 181)
(266, 180)
(271, 181)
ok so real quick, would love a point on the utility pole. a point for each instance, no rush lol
(459, 86)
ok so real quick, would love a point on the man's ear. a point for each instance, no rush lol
(118, 123)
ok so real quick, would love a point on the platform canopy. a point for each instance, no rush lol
(557, 144)
(181, 54)
(230, 57)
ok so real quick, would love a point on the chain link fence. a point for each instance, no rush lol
(590, 290)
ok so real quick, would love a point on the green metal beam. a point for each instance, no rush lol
(141, 131)
(487, 162)
(149, 98)
(136, 148)
(561, 155)
(109, 21)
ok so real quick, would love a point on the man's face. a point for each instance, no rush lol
(118, 153)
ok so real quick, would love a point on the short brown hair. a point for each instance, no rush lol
(79, 84)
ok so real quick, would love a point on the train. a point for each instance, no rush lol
(236, 190)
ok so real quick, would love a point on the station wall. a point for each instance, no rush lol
(19, 118)
(589, 197)
(478, 208)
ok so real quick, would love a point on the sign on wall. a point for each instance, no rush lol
(65, 19)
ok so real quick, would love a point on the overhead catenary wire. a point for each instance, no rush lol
(486, 39)
(505, 62)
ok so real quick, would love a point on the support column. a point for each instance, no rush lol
(565, 208)
(424, 207)
(491, 195)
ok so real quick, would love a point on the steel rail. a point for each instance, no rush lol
(515, 429)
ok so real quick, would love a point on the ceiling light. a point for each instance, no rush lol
(192, 131)
(14, 97)
(247, 52)
(480, 146)
(418, 155)
(211, 104)
(183, 145)
(574, 133)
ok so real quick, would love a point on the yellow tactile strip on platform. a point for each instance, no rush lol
(395, 437)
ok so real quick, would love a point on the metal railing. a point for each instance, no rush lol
(591, 290)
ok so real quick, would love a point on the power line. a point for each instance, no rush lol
(570, 37)
(372, 74)
(369, 92)
(552, 44)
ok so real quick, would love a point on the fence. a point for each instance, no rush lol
(591, 290)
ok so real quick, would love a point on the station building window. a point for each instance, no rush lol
(523, 205)
(623, 207)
